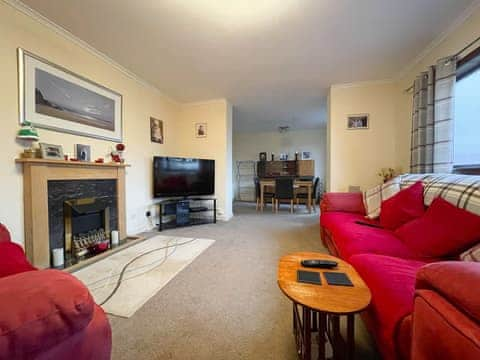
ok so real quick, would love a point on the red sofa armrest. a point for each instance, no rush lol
(343, 202)
(456, 281)
(446, 312)
(39, 310)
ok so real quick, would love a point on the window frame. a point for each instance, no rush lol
(466, 66)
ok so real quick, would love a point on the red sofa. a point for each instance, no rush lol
(47, 314)
(391, 271)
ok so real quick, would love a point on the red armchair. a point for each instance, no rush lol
(47, 314)
(446, 313)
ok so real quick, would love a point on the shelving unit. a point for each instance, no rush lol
(245, 180)
(187, 212)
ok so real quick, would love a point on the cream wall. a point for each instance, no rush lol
(247, 146)
(451, 44)
(217, 145)
(356, 156)
(140, 101)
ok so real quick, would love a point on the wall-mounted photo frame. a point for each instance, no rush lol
(358, 121)
(306, 155)
(83, 152)
(156, 130)
(201, 130)
(52, 97)
(51, 152)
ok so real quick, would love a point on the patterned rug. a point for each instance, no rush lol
(124, 281)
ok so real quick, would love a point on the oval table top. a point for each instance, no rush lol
(326, 298)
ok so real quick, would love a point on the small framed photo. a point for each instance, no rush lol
(358, 121)
(262, 156)
(82, 152)
(51, 152)
(306, 155)
(201, 130)
(156, 130)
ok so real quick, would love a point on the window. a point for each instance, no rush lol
(467, 112)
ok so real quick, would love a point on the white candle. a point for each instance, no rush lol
(58, 259)
(115, 237)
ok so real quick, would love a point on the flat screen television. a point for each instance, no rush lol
(174, 176)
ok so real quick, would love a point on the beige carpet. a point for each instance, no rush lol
(226, 304)
(151, 264)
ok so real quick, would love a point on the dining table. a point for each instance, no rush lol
(298, 183)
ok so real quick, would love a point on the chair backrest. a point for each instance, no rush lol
(315, 188)
(284, 188)
(257, 187)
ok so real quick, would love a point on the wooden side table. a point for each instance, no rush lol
(317, 308)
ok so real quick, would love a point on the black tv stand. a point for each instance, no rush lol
(180, 212)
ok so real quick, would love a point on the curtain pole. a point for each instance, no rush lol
(453, 56)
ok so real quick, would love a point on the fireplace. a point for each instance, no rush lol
(81, 216)
(87, 227)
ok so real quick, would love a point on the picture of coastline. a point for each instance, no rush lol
(60, 98)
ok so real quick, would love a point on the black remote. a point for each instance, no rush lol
(316, 263)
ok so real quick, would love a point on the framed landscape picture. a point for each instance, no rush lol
(55, 98)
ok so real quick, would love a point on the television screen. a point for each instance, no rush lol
(183, 177)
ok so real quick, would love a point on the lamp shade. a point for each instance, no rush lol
(27, 132)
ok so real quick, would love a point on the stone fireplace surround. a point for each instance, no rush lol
(39, 173)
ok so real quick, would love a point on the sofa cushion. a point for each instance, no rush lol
(12, 259)
(392, 284)
(373, 197)
(352, 238)
(40, 310)
(442, 231)
(4, 234)
(403, 207)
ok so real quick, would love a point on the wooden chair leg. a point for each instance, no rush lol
(291, 206)
(257, 205)
(273, 204)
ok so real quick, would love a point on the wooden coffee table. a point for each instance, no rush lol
(322, 305)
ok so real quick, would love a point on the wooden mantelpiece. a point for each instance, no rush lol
(36, 174)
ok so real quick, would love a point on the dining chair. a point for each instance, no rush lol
(304, 195)
(284, 191)
(266, 195)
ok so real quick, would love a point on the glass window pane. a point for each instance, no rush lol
(467, 120)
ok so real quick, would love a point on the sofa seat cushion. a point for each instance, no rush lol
(392, 284)
(352, 238)
(40, 310)
(12, 259)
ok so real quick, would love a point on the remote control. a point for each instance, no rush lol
(316, 263)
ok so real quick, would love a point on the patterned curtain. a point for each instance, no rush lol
(432, 119)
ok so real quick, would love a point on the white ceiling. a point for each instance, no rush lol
(273, 59)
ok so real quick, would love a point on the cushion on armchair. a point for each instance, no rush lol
(12, 259)
(39, 310)
(4, 234)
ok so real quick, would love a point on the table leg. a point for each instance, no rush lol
(307, 333)
(350, 336)
(335, 322)
(322, 328)
(261, 196)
